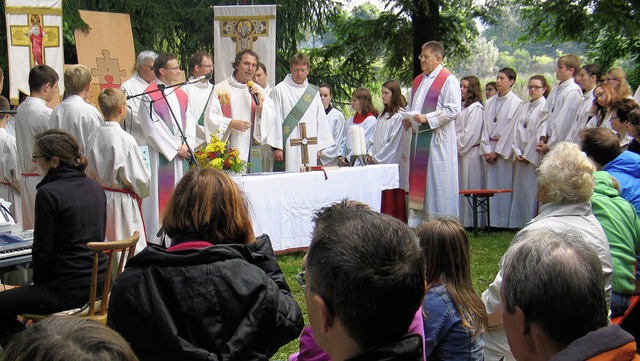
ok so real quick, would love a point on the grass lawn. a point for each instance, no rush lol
(486, 251)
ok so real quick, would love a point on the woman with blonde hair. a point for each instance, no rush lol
(454, 316)
(216, 293)
(565, 186)
(617, 78)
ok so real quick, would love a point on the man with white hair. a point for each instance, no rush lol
(136, 85)
(554, 302)
(565, 187)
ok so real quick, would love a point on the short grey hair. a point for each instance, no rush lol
(567, 174)
(144, 56)
(435, 47)
(556, 279)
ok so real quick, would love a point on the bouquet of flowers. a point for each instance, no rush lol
(219, 155)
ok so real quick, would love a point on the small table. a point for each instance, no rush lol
(479, 201)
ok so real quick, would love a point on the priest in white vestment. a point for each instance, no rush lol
(74, 114)
(498, 115)
(168, 152)
(9, 173)
(33, 118)
(439, 196)
(560, 111)
(468, 134)
(587, 79)
(234, 113)
(198, 92)
(116, 162)
(295, 92)
(136, 85)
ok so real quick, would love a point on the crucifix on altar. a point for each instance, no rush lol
(304, 142)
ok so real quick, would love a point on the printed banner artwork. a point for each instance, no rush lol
(34, 37)
(236, 28)
(107, 49)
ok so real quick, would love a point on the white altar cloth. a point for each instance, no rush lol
(282, 205)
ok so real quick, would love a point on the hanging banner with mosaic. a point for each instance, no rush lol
(236, 28)
(34, 37)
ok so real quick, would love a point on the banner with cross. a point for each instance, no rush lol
(236, 28)
(34, 37)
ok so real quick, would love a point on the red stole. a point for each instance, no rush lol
(422, 140)
(359, 118)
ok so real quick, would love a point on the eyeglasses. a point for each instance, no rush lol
(534, 87)
(206, 66)
(301, 281)
(34, 156)
(174, 68)
(610, 79)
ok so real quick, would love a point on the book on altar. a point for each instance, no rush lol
(409, 114)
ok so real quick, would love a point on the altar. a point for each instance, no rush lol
(282, 205)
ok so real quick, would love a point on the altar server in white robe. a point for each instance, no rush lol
(390, 143)
(168, 153)
(365, 117)
(468, 134)
(498, 115)
(33, 118)
(329, 156)
(9, 173)
(74, 114)
(136, 85)
(524, 206)
(559, 112)
(295, 93)
(116, 163)
(433, 174)
(587, 79)
(261, 77)
(234, 113)
(199, 92)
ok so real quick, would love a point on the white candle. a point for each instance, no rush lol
(363, 145)
(355, 143)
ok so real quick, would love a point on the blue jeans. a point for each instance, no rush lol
(619, 304)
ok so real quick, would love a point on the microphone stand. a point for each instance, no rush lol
(191, 158)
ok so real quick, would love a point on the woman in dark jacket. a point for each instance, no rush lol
(216, 294)
(70, 211)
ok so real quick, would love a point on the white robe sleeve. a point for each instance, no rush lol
(396, 138)
(451, 104)
(156, 133)
(563, 119)
(133, 174)
(214, 121)
(472, 132)
(337, 124)
(266, 122)
(9, 164)
(274, 137)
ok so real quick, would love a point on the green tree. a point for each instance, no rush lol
(609, 28)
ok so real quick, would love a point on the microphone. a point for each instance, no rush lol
(201, 77)
(9, 111)
(256, 99)
(212, 81)
(161, 87)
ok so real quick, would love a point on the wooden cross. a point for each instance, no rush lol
(19, 37)
(303, 142)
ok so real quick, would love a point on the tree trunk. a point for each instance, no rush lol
(426, 21)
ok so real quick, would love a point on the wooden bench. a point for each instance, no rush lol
(479, 201)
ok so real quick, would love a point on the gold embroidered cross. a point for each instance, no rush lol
(303, 142)
(35, 34)
(244, 31)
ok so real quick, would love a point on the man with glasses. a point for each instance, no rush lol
(160, 109)
(241, 111)
(33, 118)
(559, 112)
(199, 92)
(135, 85)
